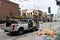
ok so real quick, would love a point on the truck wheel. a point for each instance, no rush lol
(20, 32)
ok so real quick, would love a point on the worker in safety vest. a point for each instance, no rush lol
(33, 23)
(34, 26)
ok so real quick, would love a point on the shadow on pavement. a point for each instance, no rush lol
(15, 34)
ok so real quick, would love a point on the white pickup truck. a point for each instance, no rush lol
(20, 26)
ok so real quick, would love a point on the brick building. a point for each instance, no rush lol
(8, 8)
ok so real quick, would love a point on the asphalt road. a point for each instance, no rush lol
(27, 36)
(8, 36)
(3, 35)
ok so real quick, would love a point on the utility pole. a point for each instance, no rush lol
(49, 11)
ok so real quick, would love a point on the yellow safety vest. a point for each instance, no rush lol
(34, 24)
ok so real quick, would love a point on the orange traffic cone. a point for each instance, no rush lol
(46, 31)
(38, 32)
(52, 33)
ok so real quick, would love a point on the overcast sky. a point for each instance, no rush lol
(38, 4)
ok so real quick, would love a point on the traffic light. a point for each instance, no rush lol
(49, 9)
(51, 15)
(58, 2)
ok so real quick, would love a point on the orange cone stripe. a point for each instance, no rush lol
(52, 33)
(38, 33)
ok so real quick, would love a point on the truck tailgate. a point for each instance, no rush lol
(6, 28)
(1, 25)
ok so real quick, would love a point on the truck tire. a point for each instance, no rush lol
(21, 31)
